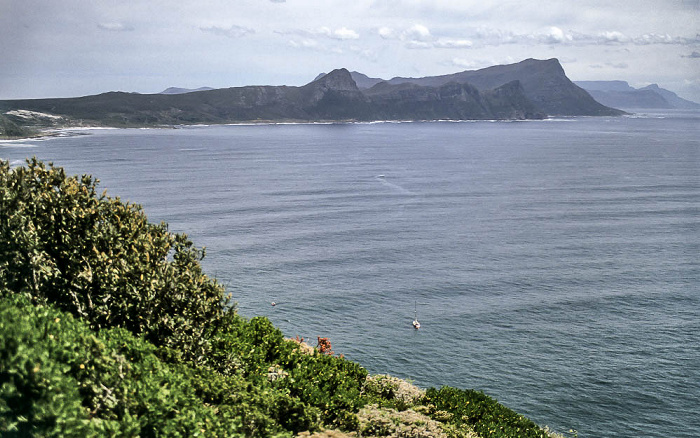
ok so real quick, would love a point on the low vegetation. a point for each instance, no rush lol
(109, 327)
(11, 130)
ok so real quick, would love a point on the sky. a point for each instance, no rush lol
(65, 48)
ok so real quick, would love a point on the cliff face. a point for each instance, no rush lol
(334, 96)
(453, 100)
(544, 83)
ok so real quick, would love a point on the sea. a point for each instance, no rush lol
(553, 265)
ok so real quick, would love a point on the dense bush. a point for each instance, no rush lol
(100, 259)
(60, 378)
(485, 415)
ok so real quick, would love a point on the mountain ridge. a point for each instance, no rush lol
(544, 82)
(621, 95)
(529, 89)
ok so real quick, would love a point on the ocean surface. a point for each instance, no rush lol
(554, 264)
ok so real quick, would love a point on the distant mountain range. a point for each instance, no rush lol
(620, 94)
(530, 89)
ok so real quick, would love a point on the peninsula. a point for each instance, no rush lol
(531, 89)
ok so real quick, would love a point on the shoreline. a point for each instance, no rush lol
(53, 132)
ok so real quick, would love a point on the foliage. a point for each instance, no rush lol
(59, 378)
(330, 386)
(392, 392)
(109, 327)
(100, 259)
(487, 417)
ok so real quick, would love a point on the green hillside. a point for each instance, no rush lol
(109, 327)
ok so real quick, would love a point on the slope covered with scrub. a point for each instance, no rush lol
(109, 327)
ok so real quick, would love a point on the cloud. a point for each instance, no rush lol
(417, 32)
(278, 1)
(418, 45)
(485, 36)
(342, 33)
(611, 37)
(387, 33)
(115, 27)
(555, 35)
(448, 43)
(694, 55)
(419, 36)
(304, 39)
(304, 43)
(233, 31)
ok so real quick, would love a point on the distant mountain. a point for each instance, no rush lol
(543, 81)
(175, 90)
(363, 81)
(530, 89)
(672, 98)
(604, 85)
(621, 95)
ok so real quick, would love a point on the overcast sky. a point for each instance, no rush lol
(59, 48)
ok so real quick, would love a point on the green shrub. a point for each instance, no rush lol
(100, 259)
(485, 415)
(59, 378)
(329, 386)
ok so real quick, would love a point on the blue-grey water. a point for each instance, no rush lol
(554, 264)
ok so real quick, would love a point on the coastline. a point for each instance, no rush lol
(69, 131)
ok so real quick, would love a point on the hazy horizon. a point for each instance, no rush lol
(80, 47)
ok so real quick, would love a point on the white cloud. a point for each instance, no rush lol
(232, 31)
(387, 33)
(417, 32)
(344, 33)
(555, 35)
(448, 43)
(613, 37)
(652, 38)
(115, 27)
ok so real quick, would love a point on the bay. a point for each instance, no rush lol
(553, 264)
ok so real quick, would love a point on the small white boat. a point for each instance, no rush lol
(416, 324)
